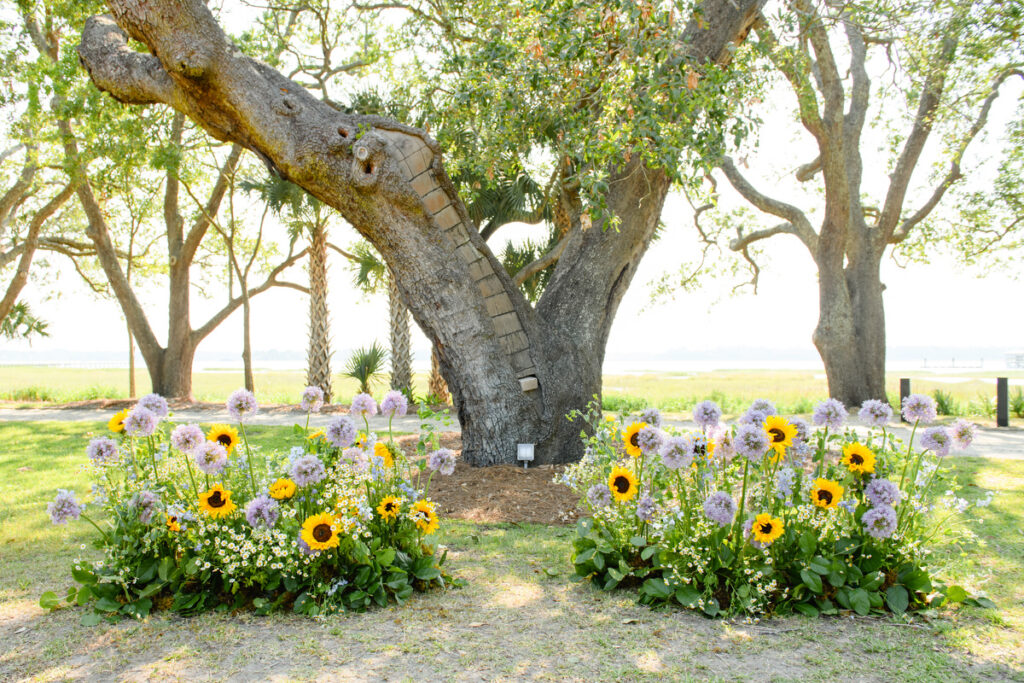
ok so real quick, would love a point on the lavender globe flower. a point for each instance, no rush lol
(363, 405)
(307, 470)
(880, 521)
(962, 433)
(763, 405)
(645, 508)
(919, 408)
(803, 430)
(875, 413)
(707, 414)
(242, 405)
(830, 413)
(599, 496)
(156, 404)
(650, 439)
(784, 481)
(102, 451)
(64, 507)
(210, 457)
(145, 504)
(342, 432)
(312, 399)
(937, 440)
(442, 460)
(187, 438)
(725, 447)
(677, 452)
(753, 417)
(651, 416)
(881, 492)
(394, 404)
(141, 421)
(751, 442)
(720, 508)
(262, 510)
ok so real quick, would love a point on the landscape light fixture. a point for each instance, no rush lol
(525, 454)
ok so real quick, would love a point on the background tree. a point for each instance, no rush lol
(948, 64)
(624, 139)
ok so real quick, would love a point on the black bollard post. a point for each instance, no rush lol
(1002, 402)
(904, 392)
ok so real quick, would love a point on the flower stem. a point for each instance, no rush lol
(248, 458)
(739, 515)
(909, 446)
(86, 518)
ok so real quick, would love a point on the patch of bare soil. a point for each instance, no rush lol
(502, 493)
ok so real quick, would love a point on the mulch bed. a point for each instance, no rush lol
(503, 493)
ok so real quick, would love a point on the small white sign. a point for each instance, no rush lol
(525, 452)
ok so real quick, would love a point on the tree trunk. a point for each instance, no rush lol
(131, 364)
(436, 385)
(513, 371)
(401, 353)
(318, 356)
(250, 382)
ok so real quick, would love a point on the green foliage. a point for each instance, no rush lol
(518, 256)
(20, 323)
(366, 366)
(1017, 402)
(945, 403)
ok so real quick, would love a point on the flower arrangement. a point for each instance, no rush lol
(192, 520)
(770, 515)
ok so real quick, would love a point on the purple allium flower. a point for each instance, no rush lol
(751, 442)
(919, 408)
(645, 508)
(650, 439)
(763, 405)
(880, 521)
(707, 414)
(963, 433)
(187, 438)
(720, 508)
(784, 481)
(342, 432)
(242, 405)
(304, 547)
(307, 470)
(145, 503)
(747, 525)
(875, 413)
(599, 496)
(442, 460)
(937, 440)
(102, 451)
(394, 404)
(753, 417)
(651, 416)
(156, 404)
(141, 421)
(725, 448)
(830, 413)
(677, 452)
(803, 430)
(64, 507)
(312, 399)
(882, 492)
(363, 405)
(262, 510)
(210, 457)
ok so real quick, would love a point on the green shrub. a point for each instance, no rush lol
(945, 404)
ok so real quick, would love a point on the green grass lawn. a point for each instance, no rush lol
(518, 617)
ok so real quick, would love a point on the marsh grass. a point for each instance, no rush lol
(519, 617)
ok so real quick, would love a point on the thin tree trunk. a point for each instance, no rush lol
(436, 386)
(401, 354)
(318, 356)
(131, 364)
(250, 382)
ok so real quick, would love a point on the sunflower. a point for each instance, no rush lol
(390, 507)
(826, 493)
(381, 450)
(116, 423)
(318, 434)
(766, 529)
(172, 523)
(631, 438)
(282, 489)
(216, 502)
(423, 514)
(780, 433)
(319, 532)
(859, 458)
(622, 483)
(225, 435)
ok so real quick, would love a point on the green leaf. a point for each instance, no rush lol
(897, 598)
(638, 541)
(49, 600)
(820, 565)
(107, 605)
(615, 574)
(808, 544)
(83, 576)
(297, 430)
(84, 595)
(812, 580)
(806, 610)
(92, 619)
(657, 588)
(428, 573)
(956, 594)
(599, 561)
(687, 596)
(386, 557)
(584, 557)
(859, 601)
(649, 552)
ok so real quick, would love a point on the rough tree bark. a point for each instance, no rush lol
(389, 182)
(318, 357)
(401, 351)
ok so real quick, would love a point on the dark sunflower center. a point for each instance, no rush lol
(766, 528)
(778, 436)
(224, 440)
(389, 506)
(216, 500)
(825, 496)
(322, 533)
(172, 520)
(621, 484)
(701, 449)
(855, 459)
(635, 439)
